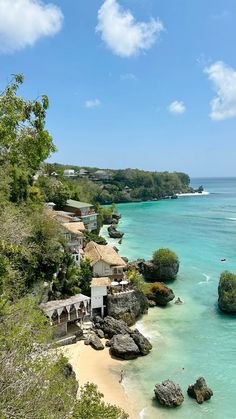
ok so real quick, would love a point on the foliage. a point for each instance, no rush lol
(32, 379)
(66, 282)
(91, 406)
(136, 279)
(228, 284)
(156, 288)
(24, 141)
(53, 190)
(88, 237)
(85, 276)
(164, 257)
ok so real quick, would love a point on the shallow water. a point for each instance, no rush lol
(192, 339)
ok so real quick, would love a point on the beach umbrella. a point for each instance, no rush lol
(114, 283)
(124, 282)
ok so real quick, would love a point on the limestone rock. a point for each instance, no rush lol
(111, 326)
(142, 342)
(169, 394)
(95, 342)
(123, 346)
(161, 294)
(200, 391)
(114, 233)
(127, 307)
(227, 292)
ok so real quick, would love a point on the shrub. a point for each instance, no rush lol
(164, 257)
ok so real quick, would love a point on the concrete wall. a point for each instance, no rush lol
(97, 294)
(60, 330)
(102, 269)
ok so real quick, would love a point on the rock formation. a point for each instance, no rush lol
(169, 394)
(134, 344)
(200, 391)
(114, 233)
(94, 341)
(227, 292)
(160, 293)
(128, 307)
(123, 346)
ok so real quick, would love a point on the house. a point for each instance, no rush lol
(63, 216)
(83, 173)
(63, 313)
(84, 211)
(70, 173)
(101, 175)
(105, 261)
(73, 232)
(99, 291)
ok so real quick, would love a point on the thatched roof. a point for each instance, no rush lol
(101, 282)
(96, 252)
(76, 227)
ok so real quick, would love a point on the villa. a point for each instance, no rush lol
(73, 233)
(105, 261)
(84, 211)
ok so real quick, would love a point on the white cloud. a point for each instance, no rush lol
(177, 107)
(23, 22)
(128, 76)
(223, 77)
(122, 33)
(92, 103)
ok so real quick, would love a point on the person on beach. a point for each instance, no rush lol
(121, 376)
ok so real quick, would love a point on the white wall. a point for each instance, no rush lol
(102, 269)
(97, 294)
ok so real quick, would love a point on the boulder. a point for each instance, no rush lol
(160, 293)
(143, 343)
(152, 272)
(114, 233)
(127, 307)
(227, 292)
(68, 371)
(95, 342)
(111, 327)
(169, 394)
(100, 333)
(124, 347)
(200, 391)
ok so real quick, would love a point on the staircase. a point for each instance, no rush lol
(87, 327)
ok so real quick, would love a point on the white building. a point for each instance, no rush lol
(99, 290)
(69, 173)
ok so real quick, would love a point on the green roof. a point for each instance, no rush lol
(77, 204)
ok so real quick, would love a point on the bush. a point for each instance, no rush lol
(137, 280)
(166, 264)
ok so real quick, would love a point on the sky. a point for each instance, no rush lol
(147, 84)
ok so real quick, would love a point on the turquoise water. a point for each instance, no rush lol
(194, 336)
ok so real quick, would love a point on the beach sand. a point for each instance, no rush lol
(99, 368)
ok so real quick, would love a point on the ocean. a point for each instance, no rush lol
(194, 339)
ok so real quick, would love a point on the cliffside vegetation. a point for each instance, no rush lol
(34, 381)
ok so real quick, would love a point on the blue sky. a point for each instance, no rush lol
(132, 83)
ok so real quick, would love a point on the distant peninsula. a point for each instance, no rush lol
(106, 186)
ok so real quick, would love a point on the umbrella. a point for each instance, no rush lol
(124, 282)
(114, 283)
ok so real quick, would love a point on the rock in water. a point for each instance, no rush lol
(169, 394)
(200, 391)
(227, 292)
(114, 233)
(160, 293)
(123, 346)
(128, 307)
(143, 343)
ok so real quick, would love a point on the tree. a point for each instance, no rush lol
(66, 282)
(91, 406)
(54, 190)
(85, 276)
(33, 383)
(24, 141)
(136, 279)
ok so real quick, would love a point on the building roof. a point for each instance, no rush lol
(101, 282)
(96, 252)
(75, 227)
(55, 304)
(77, 204)
(69, 216)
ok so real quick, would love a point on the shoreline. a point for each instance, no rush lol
(100, 368)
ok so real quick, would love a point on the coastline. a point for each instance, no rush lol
(100, 368)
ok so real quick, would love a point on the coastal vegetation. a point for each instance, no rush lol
(166, 264)
(35, 379)
(114, 186)
(227, 292)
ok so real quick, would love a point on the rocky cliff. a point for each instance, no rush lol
(127, 306)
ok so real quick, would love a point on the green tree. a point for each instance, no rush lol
(66, 282)
(166, 264)
(85, 276)
(92, 406)
(24, 141)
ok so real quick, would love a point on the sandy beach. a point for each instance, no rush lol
(99, 368)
